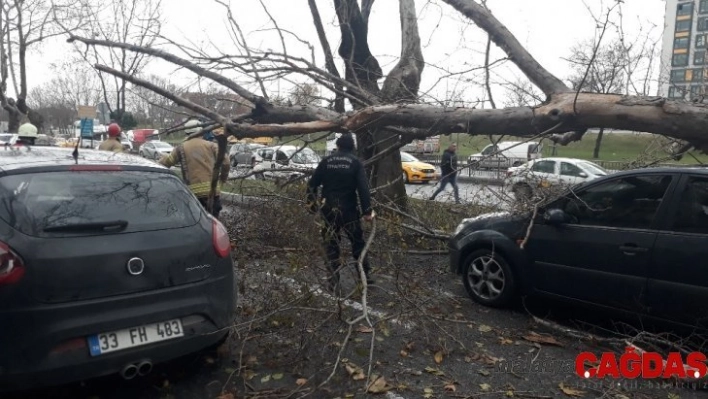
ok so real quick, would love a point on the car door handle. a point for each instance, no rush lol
(632, 249)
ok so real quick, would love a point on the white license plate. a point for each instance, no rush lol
(127, 338)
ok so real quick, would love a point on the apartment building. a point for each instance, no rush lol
(684, 66)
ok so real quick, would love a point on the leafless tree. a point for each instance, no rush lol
(383, 115)
(24, 24)
(153, 109)
(306, 94)
(128, 21)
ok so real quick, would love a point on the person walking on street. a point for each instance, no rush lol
(197, 158)
(448, 167)
(112, 143)
(343, 180)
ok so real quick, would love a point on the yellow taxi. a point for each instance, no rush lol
(415, 171)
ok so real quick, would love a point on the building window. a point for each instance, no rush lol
(676, 92)
(703, 7)
(684, 9)
(696, 91)
(701, 40)
(683, 26)
(699, 58)
(702, 24)
(680, 43)
(697, 75)
(678, 75)
(679, 60)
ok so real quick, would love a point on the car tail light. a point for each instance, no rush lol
(95, 168)
(509, 173)
(220, 238)
(11, 266)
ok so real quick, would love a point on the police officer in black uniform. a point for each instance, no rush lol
(342, 177)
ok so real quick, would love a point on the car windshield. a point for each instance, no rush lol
(34, 202)
(595, 169)
(302, 156)
(406, 157)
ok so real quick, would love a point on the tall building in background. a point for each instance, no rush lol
(684, 72)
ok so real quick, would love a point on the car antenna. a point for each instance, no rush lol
(75, 153)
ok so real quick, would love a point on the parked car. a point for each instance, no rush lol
(8, 138)
(416, 171)
(155, 149)
(505, 154)
(108, 265)
(284, 161)
(244, 154)
(527, 180)
(634, 241)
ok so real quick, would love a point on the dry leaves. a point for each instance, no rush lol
(354, 371)
(428, 393)
(226, 396)
(378, 385)
(438, 357)
(365, 329)
(434, 371)
(485, 387)
(505, 341)
(571, 391)
(450, 387)
(484, 328)
(541, 339)
(301, 381)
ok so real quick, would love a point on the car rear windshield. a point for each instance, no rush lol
(138, 201)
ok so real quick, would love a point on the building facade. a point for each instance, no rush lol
(684, 65)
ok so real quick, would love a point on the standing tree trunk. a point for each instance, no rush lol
(598, 143)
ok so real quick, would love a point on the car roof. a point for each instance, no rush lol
(15, 158)
(561, 159)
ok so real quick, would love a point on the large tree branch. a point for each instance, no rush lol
(403, 81)
(165, 93)
(503, 38)
(238, 89)
(329, 58)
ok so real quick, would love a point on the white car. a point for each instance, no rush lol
(284, 161)
(505, 154)
(8, 138)
(527, 180)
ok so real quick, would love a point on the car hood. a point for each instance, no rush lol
(418, 165)
(504, 222)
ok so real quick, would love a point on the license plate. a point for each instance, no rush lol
(127, 338)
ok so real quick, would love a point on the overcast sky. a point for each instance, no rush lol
(548, 29)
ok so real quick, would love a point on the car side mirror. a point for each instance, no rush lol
(555, 217)
(583, 174)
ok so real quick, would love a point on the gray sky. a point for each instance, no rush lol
(548, 29)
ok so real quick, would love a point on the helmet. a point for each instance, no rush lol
(192, 126)
(113, 130)
(27, 130)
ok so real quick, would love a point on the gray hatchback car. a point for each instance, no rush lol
(108, 264)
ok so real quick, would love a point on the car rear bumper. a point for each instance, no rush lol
(47, 345)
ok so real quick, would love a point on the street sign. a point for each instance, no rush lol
(87, 128)
(86, 111)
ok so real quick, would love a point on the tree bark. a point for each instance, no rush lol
(598, 143)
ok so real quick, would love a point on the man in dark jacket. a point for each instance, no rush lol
(449, 172)
(343, 180)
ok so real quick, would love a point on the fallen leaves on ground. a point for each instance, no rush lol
(541, 339)
(571, 391)
(378, 385)
(365, 329)
(353, 370)
(505, 341)
(226, 396)
(484, 328)
(428, 393)
(301, 381)
(450, 387)
(434, 371)
(438, 357)
(485, 387)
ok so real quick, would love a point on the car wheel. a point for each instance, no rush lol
(142, 154)
(522, 192)
(233, 163)
(260, 176)
(157, 156)
(405, 178)
(488, 279)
